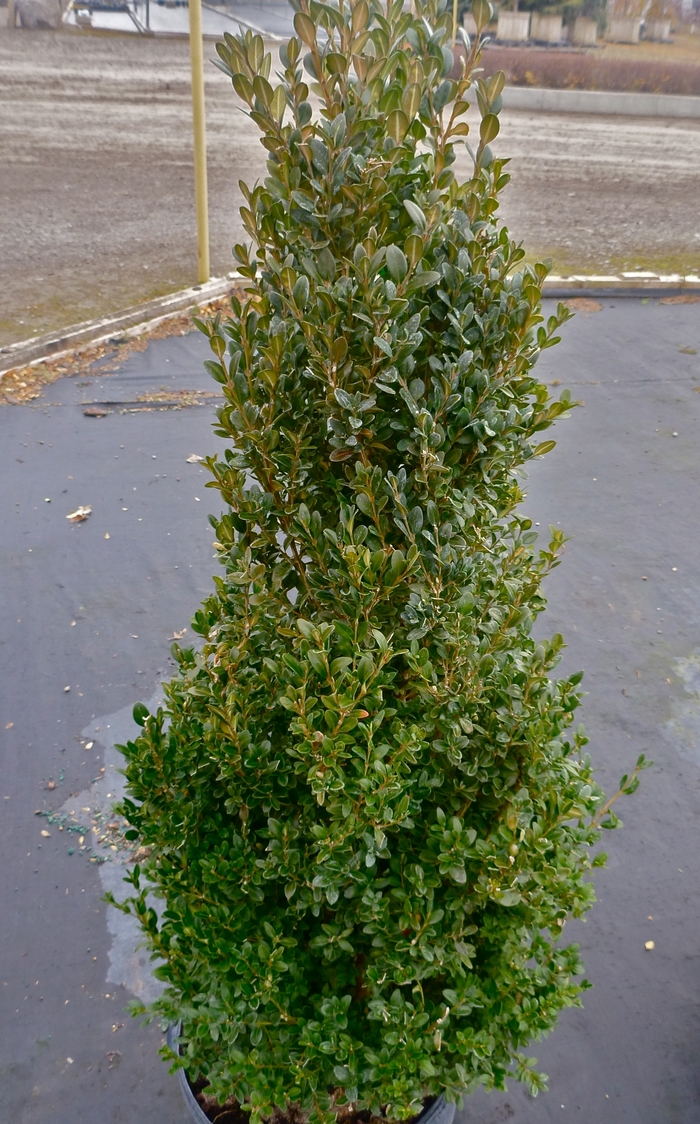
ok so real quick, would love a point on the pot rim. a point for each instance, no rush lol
(439, 1112)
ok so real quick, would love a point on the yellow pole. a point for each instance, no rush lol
(200, 140)
(454, 21)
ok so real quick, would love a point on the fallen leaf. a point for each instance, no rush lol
(45, 833)
(80, 514)
(688, 350)
(107, 535)
(96, 412)
(194, 459)
(88, 745)
(51, 785)
(649, 945)
(66, 689)
(178, 635)
(681, 298)
(9, 725)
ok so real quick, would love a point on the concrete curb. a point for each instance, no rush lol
(141, 318)
(608, 102)
(638, 284)
(127, 324)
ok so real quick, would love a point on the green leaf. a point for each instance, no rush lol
(316, 659)
(444, 94)
(243, 87)
(489, 128)
(140, 714)
(396, 264)
(263, 90)
(482, 13)
(397, 125)
(411, 100)
(422, 280)
(415, 214)
(326, 264)
(305, 28)
(507, 897)
(278, 104)
(364, 503)
(414, 248)
(360, 16)
(343, 398)
(300, 292)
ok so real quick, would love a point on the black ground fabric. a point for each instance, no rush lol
(93, 605)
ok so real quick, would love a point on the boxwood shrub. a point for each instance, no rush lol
(366, 819)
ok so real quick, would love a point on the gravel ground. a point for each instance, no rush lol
(96, 182)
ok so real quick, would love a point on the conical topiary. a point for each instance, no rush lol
(364, 816)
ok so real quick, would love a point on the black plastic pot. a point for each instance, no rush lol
(439, 1112)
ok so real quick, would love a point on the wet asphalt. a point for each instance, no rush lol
(92, 607)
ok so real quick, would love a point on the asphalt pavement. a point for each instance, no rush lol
(92, 606)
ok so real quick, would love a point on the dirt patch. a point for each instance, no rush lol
(583, 304)
(97, 191)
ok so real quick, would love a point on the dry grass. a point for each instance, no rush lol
(581, 70)
(683, 47)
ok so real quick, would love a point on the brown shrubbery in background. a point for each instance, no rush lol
(573, 70)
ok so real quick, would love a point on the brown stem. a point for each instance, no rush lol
(360, 990)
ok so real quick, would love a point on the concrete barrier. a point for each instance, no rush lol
(606, 102)
(623, 29)
(585, 32)
(513, 27)
(658, 30)
(546, 29)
